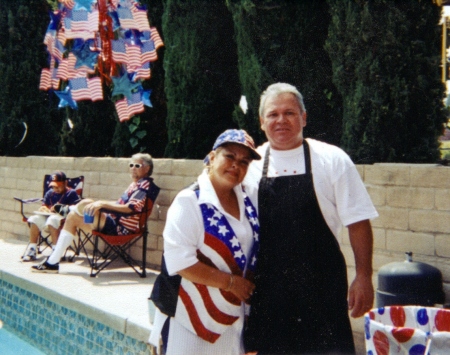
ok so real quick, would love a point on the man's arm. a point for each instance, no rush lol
(361, 292)
(93, 207)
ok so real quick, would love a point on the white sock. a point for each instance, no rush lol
(32, 245)
(64, 241)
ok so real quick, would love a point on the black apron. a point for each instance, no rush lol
(300, 302)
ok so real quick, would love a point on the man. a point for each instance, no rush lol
(132, 200)
(300, 301)
(58, 195)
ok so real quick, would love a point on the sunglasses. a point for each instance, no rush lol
(137, 166)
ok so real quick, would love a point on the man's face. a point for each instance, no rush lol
(283, 121)
(138, 169)
(59, 188)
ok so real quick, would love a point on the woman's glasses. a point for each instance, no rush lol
(137, 166)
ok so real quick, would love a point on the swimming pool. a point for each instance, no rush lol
(11, 344)
(55, 329)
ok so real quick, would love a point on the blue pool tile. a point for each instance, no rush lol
(59, 330)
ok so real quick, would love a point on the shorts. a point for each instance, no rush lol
(42, 222)
(111, 227)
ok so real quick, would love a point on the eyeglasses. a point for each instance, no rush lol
(137, 166)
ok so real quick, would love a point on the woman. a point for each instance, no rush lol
(210, 240)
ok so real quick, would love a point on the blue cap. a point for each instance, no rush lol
(236, 136)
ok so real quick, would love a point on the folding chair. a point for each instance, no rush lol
(76, 183)
(118, 246)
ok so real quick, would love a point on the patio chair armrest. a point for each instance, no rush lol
(29, 200)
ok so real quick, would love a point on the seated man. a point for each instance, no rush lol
(132, 200)
(58, 195)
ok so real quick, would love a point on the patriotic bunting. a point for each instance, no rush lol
(126, 108)
(86, 89)
(92, 43)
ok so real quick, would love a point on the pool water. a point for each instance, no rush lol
(11, 344)
(57, 329)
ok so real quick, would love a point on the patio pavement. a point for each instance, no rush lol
(117, 297)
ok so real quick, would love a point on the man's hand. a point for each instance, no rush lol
(360, 296)
(44, 209)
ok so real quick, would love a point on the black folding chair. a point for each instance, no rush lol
(76, 183)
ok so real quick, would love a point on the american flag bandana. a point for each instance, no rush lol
(208, 311)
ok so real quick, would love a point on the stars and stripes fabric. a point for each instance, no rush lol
(83, 20)
(78, 27)
(86, 89)
(54, 46)
(208, 311)
(133, 18)
(144, 72)
(119, 51)
(129, 54)
(49, 78)
(67, 68)
(155, 37)
(148, 51)
(127, 108)
(45, 82)
(135, 197)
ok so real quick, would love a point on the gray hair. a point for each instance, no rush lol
(146, 158)
(278, 89)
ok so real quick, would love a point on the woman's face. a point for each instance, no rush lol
(229, 164)
(138, 169)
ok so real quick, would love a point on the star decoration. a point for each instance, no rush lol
(133, 37)
(123, 86)
(223, 230)
(115, 19)
(66, 99)
(212, 221)
(55, 18)
(146, 98)
(84, 55)
(217, 214)
(253, 220)
(83, 5)
(234, 242)
(238, 254)
(145, 35)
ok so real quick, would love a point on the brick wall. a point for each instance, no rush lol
(105, 178)
(413, 202)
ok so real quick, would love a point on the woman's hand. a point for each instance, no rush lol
(241, 287)
(209, 276)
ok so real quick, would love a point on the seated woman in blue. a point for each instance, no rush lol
(211, 240)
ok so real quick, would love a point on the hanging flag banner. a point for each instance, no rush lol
(96, 43)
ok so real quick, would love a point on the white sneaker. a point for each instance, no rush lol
(30, 255)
